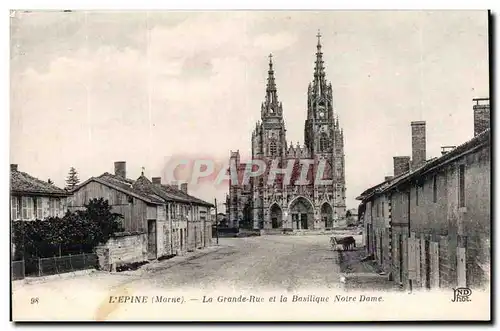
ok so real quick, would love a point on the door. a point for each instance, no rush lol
(303, 220)
(381, 250)
(182, 240)
(275, 222)
(400, 258)
(368, 247)
(296, 221)
(151, 239)
(427, 265)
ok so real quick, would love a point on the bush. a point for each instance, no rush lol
(76, 231)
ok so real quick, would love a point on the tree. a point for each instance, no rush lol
(72, 180)
(55, 236)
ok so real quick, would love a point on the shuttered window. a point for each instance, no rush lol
(461, 186)
(27, 208)
(14, 208)
(38, 208)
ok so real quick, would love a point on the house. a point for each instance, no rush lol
(188, 215)
(222, 220)
(158, 220)
(352, 216)
(142, 213)
(32, 198)
(429, 224)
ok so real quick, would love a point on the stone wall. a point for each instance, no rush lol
(123, 249)
(164, 239)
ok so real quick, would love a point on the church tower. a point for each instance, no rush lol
(293, 205)
(268, 139)
(268, 142)
(323, 136)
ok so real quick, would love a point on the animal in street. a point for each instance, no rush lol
(347, 243)
(336, 246)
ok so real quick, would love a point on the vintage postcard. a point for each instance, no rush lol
(250, 165)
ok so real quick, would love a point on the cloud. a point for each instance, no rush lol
(274, 42)
(140, 86)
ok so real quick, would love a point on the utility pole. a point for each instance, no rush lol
(216, 225)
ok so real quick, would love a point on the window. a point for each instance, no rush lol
(378, 211)
(461, 186)
(434, 188)
(14, 208)
(383, 209)
(27, 208)
(323, 143)
(416, 195)
(273, 149)
(38, 208)
(62, 208)
(54, 207)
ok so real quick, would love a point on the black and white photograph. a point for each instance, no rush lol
(250, 165)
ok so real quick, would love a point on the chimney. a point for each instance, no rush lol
(417, 143)
(174, 184)
(481, 115)
(13, 167)
(446, 149)
(184, 187)
(156, 180)
(401, 165)
(120, 169)
(386, 178)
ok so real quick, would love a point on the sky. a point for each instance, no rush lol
(91, 88)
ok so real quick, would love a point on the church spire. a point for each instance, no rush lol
(271, 107)
(271, 93)
(319, 83)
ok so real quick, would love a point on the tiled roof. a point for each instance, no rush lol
(466, 148)
(21, 182)
(124, 185)
(144, 189)
(430, 165)
(166, 192)
(179, 194)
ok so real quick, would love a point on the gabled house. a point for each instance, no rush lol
(429, 225)
(141, 212)
(158, 220)
(188, 215)
(32, 198)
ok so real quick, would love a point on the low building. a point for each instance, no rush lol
(433, 224)
(34, 199)
(352, 216)
(188, 214)
(158, 220)
(142, 212)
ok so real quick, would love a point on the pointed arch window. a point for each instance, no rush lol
(273, 148)
(324, 144)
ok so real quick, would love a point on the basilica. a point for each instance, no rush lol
(293, 204)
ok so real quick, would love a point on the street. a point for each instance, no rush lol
(268, 278)
(269, 262)
(278, 264)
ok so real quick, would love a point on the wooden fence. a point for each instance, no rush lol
(37, 267)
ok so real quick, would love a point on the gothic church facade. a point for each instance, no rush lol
(293, 204)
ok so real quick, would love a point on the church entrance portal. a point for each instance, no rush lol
(276, 216)
(302, 214)
(327, 215)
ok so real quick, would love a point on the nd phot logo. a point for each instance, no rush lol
(461, 294)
